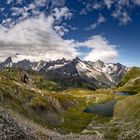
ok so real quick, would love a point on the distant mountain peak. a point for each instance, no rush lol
(25, 60)
(23, 64)
(99, 63)
(63, 59)
(76, 60)
(8, 60)
(7, 63)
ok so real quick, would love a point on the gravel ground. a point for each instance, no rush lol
(16, 127)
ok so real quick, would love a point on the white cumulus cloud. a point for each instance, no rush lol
(39, 37)
(36, 39)
(101, 49)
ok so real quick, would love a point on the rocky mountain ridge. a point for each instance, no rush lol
(86, 73)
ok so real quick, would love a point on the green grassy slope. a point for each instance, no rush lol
(44, 102)
(131, 81)
(131, 74)
(125, 123)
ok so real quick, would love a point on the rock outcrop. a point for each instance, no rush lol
(10, 130)
(25, 78)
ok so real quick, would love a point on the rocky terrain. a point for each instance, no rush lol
(16, 127)
(74, 73)
(11, 130)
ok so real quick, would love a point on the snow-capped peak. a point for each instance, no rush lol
(99, 73)
(7, 63)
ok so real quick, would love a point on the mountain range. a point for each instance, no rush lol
(75, 72)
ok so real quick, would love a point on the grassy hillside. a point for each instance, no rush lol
(131, 81)
(128, 109)
(48, 104)
(43, 101)
(131, 74)
(125, 123)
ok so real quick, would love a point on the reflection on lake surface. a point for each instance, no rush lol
(105, 109)
(125, 93)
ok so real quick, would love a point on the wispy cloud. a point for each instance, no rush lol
(9, 1)
(90, 6)
(122, 16)
(108, 3)
(119, 9)
(101, 19)
(20, 10)
(121, 13)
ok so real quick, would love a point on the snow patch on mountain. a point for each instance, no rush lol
(84, 69)
(38, 65)
(56, 66)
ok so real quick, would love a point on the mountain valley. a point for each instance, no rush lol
(51, 98)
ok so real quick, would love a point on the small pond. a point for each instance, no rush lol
(125, 93)
(105, 109)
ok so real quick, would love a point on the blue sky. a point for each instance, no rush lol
(90, 29)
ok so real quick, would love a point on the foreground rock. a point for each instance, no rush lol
(16, 127)
(10, 130)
